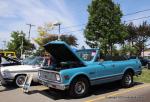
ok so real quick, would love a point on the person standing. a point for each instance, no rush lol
(0, 59)
(1, 77)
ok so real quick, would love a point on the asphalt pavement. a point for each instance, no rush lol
(102, 93)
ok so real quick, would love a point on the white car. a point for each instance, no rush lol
(17, 73)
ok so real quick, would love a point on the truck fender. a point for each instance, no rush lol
(79, 75)
(129, 69)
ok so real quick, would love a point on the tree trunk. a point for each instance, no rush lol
(111, 47)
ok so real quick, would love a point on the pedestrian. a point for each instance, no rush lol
(0, 59)
(1, 77)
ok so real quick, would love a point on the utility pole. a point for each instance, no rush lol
(4, 45)
(58, 24)
(30, 26)
(21, 47)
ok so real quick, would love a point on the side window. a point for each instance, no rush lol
(118, 58)
(108, 58)
(4, 61)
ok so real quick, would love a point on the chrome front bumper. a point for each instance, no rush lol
(53, 85)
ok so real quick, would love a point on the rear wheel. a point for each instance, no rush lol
(19, 80)
(79, 88)
(127, 80)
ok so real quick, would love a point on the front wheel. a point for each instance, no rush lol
(127, 80)
(19, 80)
(79, 88)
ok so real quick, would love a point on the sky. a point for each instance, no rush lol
(15, 14)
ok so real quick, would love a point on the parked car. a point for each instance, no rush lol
(77, 71)
(144, 61)
(8, 54)
(17, 74)
(6, 61)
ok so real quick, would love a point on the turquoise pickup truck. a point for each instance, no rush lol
(76, 71)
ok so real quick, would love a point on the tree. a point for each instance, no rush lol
(45, 36)
(15, 44)
(138, 36)
(104, 27)
(143, 32)
(128, 50)
(69, 39)
(132, 34)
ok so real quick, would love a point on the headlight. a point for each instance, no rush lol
(58, 77)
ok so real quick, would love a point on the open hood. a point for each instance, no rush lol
(62, 52)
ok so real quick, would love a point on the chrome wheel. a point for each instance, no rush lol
(20, 80)
(80, 88)
(128, 80)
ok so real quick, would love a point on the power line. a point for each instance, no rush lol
(137, 12)
(73, 31)
(73, 26)
(137, 18)
(123, 15)
(125, 21)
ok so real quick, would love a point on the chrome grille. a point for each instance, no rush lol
(46, 75)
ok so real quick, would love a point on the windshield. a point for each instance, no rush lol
(33, 61)
(27, 60)
(86, 55)
(6, 60)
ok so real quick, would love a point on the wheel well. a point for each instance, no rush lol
(81, 76)
(130, 70)
(19, 75)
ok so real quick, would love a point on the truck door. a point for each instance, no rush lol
(106, 69)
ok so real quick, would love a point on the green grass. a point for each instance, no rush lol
(144, 77)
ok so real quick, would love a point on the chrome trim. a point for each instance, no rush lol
(53, 85)
(46, 80)
(48, 70)
(107, 77)
(23, 71)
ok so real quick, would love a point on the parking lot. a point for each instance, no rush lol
(104, 93)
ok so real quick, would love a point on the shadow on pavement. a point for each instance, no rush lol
(109, 87)
(6, 88)
(10, 86)
(53, 94)
(95, 90)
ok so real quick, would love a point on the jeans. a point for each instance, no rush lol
(2, 81)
